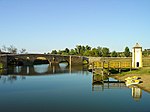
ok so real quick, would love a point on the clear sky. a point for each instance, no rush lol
(43, 25)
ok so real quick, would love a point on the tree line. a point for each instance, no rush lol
(87, 50)
(12, 50)
(79, 50)
(146, 52)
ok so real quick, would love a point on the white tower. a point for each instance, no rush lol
(137, 56)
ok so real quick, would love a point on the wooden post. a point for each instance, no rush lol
(108, 68)
(103, 71)
(131, 65)
(119, 67)
(70, 63)
(92, 67)
(70, 60)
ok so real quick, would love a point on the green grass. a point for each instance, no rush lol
(144, 70)
(85, 62)
(1, 65)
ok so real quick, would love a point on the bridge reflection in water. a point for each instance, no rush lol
(102, 82)
(14, 73)
(44, 69)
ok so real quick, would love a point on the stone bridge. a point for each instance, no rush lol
(28, 59)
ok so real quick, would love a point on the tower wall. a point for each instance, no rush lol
(137, 57)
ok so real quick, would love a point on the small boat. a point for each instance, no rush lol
(132, 82)
(132, 78)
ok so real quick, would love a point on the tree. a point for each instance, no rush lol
(54, 52)
(67, 50)
(95, 52)
(146, 52)
(87, 48)
(82, 50)
(99, 49)
(114, 54)
(78, 48)
(12, 49)
(72, 52)
(23, 51)
(86, 53)
(105, 52)
(59, 52)
(4, 48)
(127, 52)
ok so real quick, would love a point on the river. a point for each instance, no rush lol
(45, 88)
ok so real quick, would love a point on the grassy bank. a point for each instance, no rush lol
(1, 65)
(144, 70)
(143, 73)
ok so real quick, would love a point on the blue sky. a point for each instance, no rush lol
(43, 25)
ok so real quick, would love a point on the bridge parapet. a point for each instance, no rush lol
(28, 59)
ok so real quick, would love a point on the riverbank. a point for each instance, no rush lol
(1, 65)
(143, 73)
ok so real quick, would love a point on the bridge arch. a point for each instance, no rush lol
(63, 64)
(40, 69)
(18, 62)
(41, 60)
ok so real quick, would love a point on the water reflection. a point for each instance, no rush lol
(136, 93)
(99, 82)
(44, 69)
(11, 78)
(20, 72)
(41, 68)
(102, 82)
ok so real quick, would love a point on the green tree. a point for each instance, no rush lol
(72, 52)
(91, 53)
(99, 49)
(87, 48)
(82, 50)
(127, 52)
(78, 48)
(59, 52)
(105, 52)
(146, 52)
(95, 52)
(66, 50)
(54, 52)
(114, 54)
(86, 53)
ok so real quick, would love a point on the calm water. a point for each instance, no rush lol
(44, 88)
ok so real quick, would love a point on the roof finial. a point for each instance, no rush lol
(137, 45)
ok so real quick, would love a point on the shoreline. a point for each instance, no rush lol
(145, 85)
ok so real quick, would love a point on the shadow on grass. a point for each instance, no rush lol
(116, 71)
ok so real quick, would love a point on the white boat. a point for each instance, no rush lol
(132, 82)
(132, 78)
